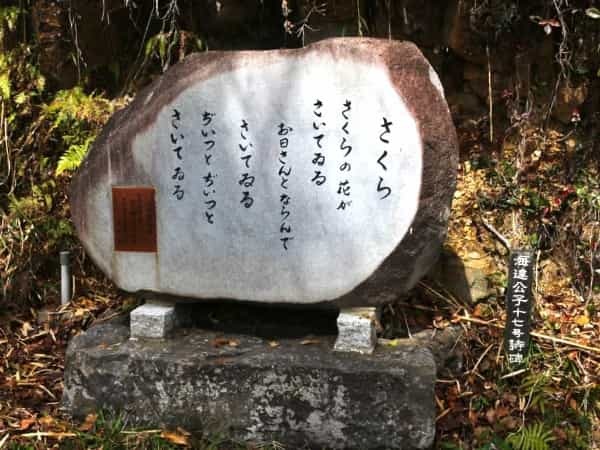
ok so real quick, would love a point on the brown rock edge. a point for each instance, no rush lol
(410, 73)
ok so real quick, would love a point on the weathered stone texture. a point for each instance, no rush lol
(357, 330)
(295, 394)
(153, 320)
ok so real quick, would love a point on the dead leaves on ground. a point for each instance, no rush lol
(32, 346)
(89, 422)
(485, 398)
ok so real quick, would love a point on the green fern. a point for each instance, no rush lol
(5, 87)
(74, 105)
(73, 157)
(8, 20)
(533, 437)
(9, 16)
(77, 117)
(537, 388)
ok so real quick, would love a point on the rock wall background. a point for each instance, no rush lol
(519, 42)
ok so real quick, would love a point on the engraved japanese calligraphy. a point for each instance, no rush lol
(278, 176)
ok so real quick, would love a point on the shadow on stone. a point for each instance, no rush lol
(467, 279)
(264, 321)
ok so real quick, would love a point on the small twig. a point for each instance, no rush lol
(107, 318)
(499, 352)
(481, 358)
(142, 432)
(388, 8)
(78, 57)
(490, 94)
(592, 270)
(50, 434)
(536, 276)
(513, 374)
(35, 336)
(420, 307)
(46, 390)
(497, 234)
(406, 323)
(552, 102)
(359, 18)
(564, 54)
(566, 136)
(443, 413)
(303, 25)
(3, 123)
(4, 439)
(448, 299)
(568, 342)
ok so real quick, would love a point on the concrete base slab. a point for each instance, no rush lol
(294, 390)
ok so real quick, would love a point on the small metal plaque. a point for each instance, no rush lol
(134, 219)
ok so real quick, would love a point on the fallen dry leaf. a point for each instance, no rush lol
(26, 423)
(502, 411)
(220, 342)
(89, 422)
(392, 342)
(582, 320)
(25, 329)
(509, 423)
(47, 421)
(490, 416)
(175, 437)
(573, 403)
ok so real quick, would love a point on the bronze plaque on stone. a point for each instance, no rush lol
(134, 218)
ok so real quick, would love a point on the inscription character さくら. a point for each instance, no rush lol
(382, 189)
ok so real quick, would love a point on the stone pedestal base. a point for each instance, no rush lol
(294, 391)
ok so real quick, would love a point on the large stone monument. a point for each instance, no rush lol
(288, 176)
(310, 176)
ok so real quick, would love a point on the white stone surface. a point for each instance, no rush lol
(241, 256)
(152, 320)
(357, 330)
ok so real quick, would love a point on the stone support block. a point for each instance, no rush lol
(153, 320)
(357, 330)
